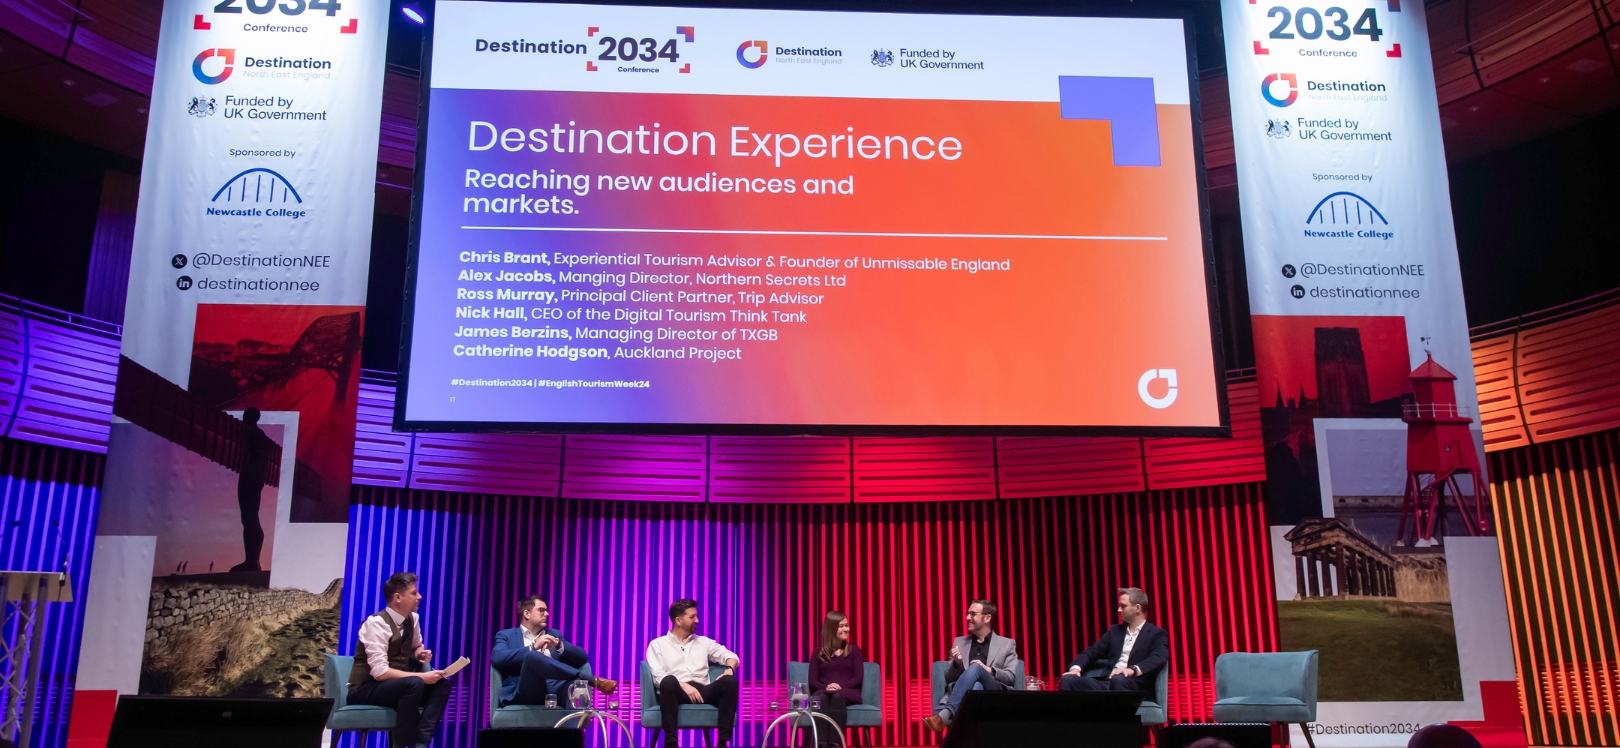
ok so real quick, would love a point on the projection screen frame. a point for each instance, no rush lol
(1016, 8)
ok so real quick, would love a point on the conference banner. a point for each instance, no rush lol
(1383, 543)
(220, 544)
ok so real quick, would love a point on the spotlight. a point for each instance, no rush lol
(412, 14)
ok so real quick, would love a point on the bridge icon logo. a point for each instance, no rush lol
(1346, 209)
(257, 186)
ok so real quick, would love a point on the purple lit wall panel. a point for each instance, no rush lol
(504, 463)
(60, 425)
(765, 573)
(53, 494)
(381, 457)
(792, 469)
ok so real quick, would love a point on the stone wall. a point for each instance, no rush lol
(178, 606)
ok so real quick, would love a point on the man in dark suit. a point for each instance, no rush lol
(1133, 650)
(536, 661)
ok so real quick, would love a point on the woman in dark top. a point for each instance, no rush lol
(836, 669)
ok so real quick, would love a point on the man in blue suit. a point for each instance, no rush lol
(536, 661)
(1133, 650)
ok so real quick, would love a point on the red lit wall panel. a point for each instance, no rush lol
(1557, 509)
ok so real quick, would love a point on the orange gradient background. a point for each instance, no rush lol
(1060, 340)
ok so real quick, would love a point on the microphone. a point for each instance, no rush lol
(61, 576)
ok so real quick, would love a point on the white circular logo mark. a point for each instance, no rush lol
(1150, 375)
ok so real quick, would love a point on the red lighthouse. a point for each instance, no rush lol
(1439, 448)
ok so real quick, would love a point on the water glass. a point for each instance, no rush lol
(776, 706)
(579, 695)
(1031, 683)
(815, 705)
(798, 694)
(551, 701)
(613, 706)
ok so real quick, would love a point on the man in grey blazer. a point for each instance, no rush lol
(979, 661)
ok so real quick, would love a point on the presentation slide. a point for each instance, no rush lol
(676, 219)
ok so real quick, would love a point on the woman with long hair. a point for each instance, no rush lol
(836, 669)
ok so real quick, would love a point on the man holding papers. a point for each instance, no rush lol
(535, 661)
(390, 664)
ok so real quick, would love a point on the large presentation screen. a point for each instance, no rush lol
(697, 219)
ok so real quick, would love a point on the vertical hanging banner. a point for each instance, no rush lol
(220, 544)
(1382, 538)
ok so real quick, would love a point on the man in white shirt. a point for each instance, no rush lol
(389, 666)
(1133, 650)
(680, 662)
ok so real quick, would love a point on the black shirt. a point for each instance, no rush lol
(980, 650)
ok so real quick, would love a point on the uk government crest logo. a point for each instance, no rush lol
(882, 58)
(1278, 128)
(201, 106)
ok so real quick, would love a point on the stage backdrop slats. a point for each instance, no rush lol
(1558, 514)
(765, 574)
(1549, 376)
(49, 499)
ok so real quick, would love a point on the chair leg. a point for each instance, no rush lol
(1306, 728)
(706, 740)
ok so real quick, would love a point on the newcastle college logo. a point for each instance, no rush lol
(1290, 94)
(228, 56)
(742, 53)
(1346, 209)
(257, 192)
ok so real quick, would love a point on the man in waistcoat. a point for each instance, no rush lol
(390, 666)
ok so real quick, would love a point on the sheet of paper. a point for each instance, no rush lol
(455, 667)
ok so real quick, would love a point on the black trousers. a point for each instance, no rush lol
(834, 705)
(721, 694)
(418, 704)
(1084, 683)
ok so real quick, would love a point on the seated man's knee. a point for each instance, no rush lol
(669, 682)
(1069, 682)
(977, 667)
(413, 683)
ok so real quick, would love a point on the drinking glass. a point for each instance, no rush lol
(551, 701)
(579, 694)
(815, 705)
(798, 694)
(1031, 683)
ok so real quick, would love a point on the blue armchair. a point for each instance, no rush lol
(691, 717)
(524, 715)
(352, 718)
(1273, 687)
(1153, 710)
(867, 714)
(938, 679)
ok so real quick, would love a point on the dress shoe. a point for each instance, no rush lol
(604, 685)
(934, 722)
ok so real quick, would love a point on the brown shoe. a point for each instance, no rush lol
(933, 722)
(604, 685)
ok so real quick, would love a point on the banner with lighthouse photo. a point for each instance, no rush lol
(1382, 538)
(220, 541)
